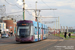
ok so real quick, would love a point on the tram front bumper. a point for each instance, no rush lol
(24, 40)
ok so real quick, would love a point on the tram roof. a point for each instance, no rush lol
(26, 21)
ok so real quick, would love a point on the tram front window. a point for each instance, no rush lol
(24, 32)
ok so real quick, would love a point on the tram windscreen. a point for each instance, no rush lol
(24, 32)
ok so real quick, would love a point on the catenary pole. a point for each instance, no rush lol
(23, 9)
(36, 11)
(58, 24)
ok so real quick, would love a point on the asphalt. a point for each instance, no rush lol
(51, 43)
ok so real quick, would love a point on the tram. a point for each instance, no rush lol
(30, 31)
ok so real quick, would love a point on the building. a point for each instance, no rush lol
(2, 25)
(10, 23)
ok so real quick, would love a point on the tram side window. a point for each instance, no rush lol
(39, 30)
(35, 30)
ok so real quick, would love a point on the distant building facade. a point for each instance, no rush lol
(2, 25)
(10, 23)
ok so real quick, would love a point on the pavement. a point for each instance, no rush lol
(68, 44)
(65, 45)
(54, 37)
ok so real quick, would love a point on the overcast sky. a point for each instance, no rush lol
(65, 10)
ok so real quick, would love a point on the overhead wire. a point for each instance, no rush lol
(15, 12)
(45, 3)
(12, 4)
(9, 3)
(18, 7)
(19, 12)
(29, 13)
(48, 6)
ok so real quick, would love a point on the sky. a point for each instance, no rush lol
(65, 10)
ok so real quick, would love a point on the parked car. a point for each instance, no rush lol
(4, 35)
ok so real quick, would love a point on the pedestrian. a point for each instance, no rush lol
(69, 35)
(11, 33)
(65, 34)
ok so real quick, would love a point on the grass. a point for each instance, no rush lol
(62, 35)
(72, 36)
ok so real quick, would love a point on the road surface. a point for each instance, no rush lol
(52, 43)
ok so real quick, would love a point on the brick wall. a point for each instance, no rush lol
(10, 25)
